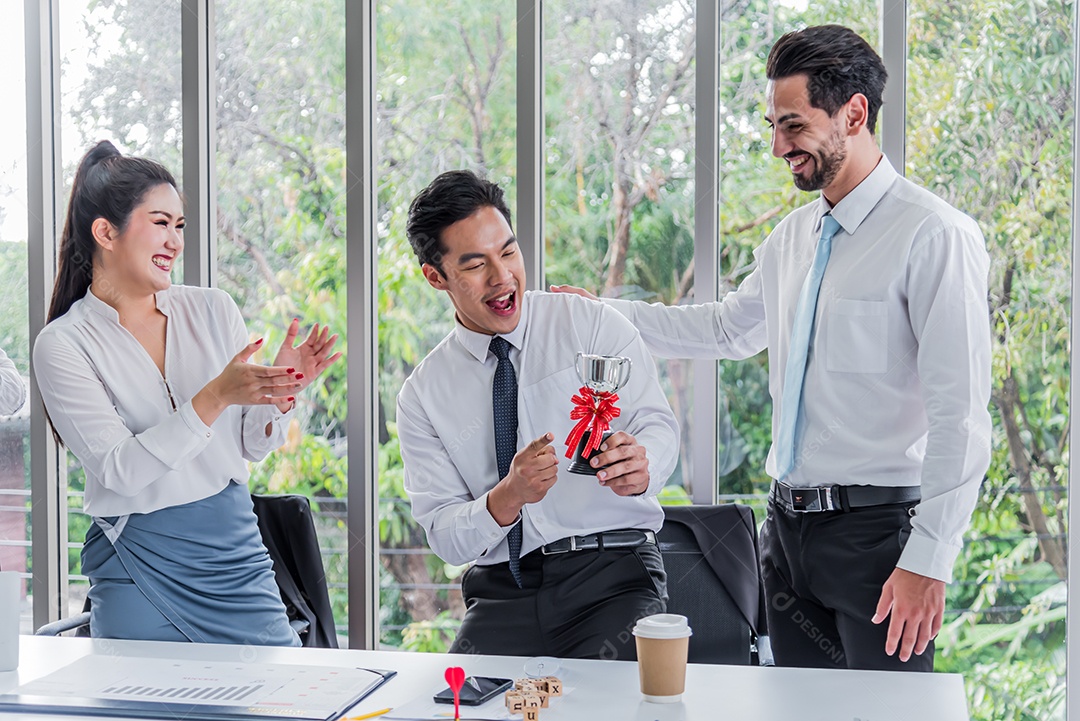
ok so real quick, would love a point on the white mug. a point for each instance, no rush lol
(10, 603)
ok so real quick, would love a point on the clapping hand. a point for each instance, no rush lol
(311, 357)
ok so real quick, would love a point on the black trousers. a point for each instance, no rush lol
(823, 574)
(581, 604)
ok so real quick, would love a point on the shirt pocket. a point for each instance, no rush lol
(546, 405)
(857, 338)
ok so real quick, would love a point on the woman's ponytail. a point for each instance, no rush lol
(107, 185)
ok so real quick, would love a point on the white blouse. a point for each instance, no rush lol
(141, 443)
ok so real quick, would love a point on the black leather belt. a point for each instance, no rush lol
(630, 538)
(840, 498)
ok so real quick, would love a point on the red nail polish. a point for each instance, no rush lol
(299, 376)
(290, 370)
(295, 320)
(258, 341)
(291, 399)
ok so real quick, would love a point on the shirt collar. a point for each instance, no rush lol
(856, 205)
(477, 343)
(105, 310)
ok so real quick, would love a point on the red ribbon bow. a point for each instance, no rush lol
(593, 412)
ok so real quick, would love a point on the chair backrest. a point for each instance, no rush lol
(710, 553)
(288, 532)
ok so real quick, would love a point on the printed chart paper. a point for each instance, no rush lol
(196, 689)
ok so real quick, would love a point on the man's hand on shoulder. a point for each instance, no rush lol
(574, 290)
(532, 474)
(917, 606)
(628, 471)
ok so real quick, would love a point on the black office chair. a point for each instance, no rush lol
(288, 532)
(711, 557)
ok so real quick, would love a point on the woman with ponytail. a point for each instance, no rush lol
(150, 385)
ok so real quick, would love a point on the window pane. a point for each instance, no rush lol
(14, 323)
(281, 229)
(989, 128)
(446, 101)
(121, 83)
(756, 192)
(619, 215)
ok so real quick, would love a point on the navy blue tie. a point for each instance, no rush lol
(504, 407)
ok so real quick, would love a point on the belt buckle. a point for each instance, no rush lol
(812, 500)
(548, 551)
(573, 543)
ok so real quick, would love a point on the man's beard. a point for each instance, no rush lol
(827, 163)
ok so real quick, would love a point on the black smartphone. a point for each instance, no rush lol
(476, 690)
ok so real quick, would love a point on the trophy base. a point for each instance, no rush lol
(581, 465)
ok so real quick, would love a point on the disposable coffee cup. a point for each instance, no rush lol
(10, 586)
(662, 643)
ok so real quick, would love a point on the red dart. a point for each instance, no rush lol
(455, 676)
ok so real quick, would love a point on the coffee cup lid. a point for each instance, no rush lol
(663, 625)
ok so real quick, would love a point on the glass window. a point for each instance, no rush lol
(281, 229)
(14, 325)
(445, 101)
(619, 174)
(118, 82)
(989, 128)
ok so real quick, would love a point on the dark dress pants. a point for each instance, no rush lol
(581, 604)
(823, 574)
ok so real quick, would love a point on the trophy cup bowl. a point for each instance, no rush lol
(601, 374)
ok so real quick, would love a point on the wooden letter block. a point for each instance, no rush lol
(515, 702)
(543, 698)
(532, 714)
(531, 700)
(554, 685)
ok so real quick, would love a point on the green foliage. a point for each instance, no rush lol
(990, 109)
(14, 335)
(433, 636)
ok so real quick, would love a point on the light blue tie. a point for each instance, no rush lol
(801, 331)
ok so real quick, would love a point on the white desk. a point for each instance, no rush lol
(603, 690)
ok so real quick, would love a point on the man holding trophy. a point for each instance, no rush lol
(565, 561)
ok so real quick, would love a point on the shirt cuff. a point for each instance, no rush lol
(272, 413)
(191, 418)
(486, 524)
(930, 558)
(170, 444)
(277, 415)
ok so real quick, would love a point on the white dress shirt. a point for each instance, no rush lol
(12, 388)
(445, 426)
(898, 376)
(141, 443)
